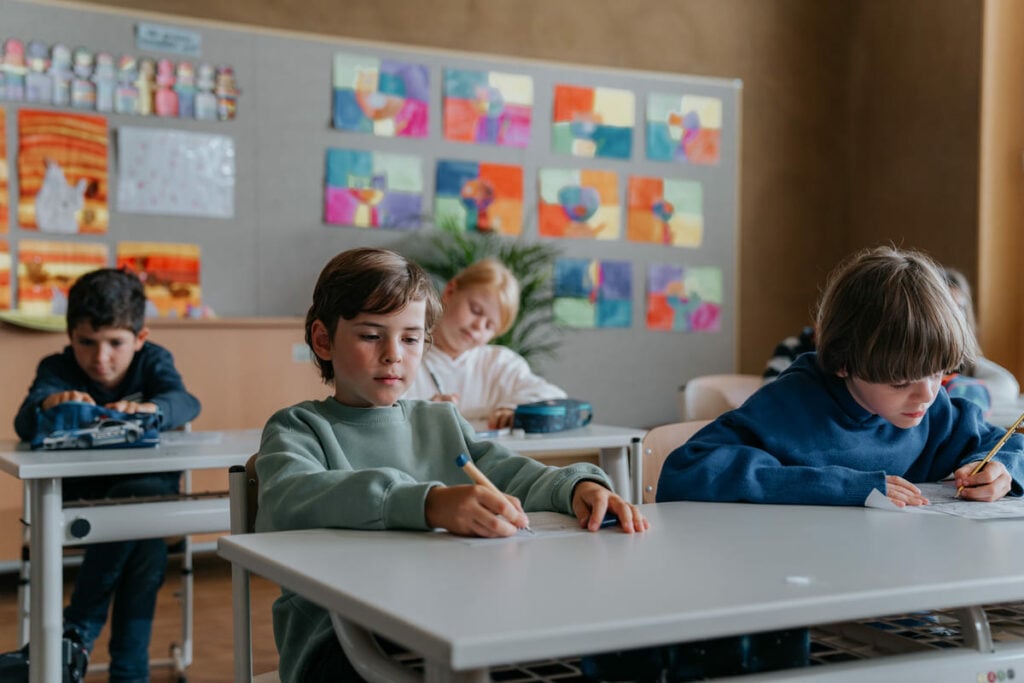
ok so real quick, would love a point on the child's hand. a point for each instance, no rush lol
(902, 492)
(992, 483)
(471, 510)
(65, 396)
(133, 407)
(590, 502)
(450, 398)
(501, 418)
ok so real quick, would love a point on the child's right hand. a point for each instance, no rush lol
(65, 396)
(902, 492)
(472, 510)
(450, 398)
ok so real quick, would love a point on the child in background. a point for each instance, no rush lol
(484, 380)
(110, 362)
(364, 459)
(864, 412)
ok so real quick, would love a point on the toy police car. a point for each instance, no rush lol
(106, 432)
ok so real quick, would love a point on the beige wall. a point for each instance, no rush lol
(861, 117)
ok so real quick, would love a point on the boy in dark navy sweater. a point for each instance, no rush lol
(109, 362)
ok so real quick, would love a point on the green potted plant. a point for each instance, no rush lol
(448, 248)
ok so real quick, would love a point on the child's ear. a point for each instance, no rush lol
(842, 373)
(320, 340)
(141, 338)
(449, 289)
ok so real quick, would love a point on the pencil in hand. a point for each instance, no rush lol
(479, 478)
(995, 449)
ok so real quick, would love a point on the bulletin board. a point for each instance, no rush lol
(633, 174)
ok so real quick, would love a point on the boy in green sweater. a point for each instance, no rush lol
(364, 459)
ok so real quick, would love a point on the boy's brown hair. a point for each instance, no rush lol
(887, 316)
(491, 274)
(107, 297)
(367, 280)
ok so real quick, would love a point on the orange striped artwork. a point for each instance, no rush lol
(46, 271)
(5, 276)
(169, 274)
(62, 172)
(4, 192)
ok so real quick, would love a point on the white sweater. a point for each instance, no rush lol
(485, 378)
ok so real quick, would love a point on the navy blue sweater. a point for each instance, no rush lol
(151, 376)
(803, 439)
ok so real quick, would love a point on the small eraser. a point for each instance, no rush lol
(610, 519)
(461, 460)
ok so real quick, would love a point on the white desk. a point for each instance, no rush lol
(615, 445)
(1005, 414)
(45, 470)
(704, 570)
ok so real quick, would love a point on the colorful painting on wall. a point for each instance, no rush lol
(62, 172)
(665, 211)
(373, 189)
(592, 293)
(5, 276)
(488, 107)
(4, 192)
(169, 274)
(593, 122)
(579, 203)
(686, 129)
(175, 173)
(381, 96)
(684, 298)
(480, 197)
(46, 271)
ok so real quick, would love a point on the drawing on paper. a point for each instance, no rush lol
(665, 211)
(62, 172)
(373, 189)
(175, 173)
(579, 203)
(593, 293)
(480, 197)
(5, 275)
(593, 122)
(381, 96)
(4, 192)
(169, 275)
(686, 129)
(46, 271)
(487, 107)
(684, 298)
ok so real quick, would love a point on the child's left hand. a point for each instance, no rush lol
(132, 407)
(501, 418)
(590, 502)
(992, 483)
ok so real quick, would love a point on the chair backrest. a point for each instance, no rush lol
(708, 396)
(657, 444)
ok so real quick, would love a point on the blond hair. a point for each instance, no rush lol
(492, 275)
(887, 316)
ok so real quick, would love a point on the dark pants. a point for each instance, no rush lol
(127, 573)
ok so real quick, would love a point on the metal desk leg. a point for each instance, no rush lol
(47, 582)
(615, 462)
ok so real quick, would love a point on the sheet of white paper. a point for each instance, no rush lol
(542, 525)
(942, 496)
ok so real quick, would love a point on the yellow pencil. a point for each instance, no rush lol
(995, 449)
(480, 478)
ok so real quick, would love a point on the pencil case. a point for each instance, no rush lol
(554, 415)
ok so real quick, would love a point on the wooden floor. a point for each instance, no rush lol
(212, 660)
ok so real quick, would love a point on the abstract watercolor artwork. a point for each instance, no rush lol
(175, 172)
(373, 189)
(5, 275)
(685, 129)
(4, 192)
(487, 107)
(684, 298)
(579, 203)
(62, 172)
(169, 274)
(480, 197)
(593, 122)
(381, 96)
(46, 271)
(593, 293)
(665, 211)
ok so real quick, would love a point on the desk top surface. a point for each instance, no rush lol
(584, 438)
(176, 451)
(704, 570)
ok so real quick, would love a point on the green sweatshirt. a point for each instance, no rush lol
(322, 464)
